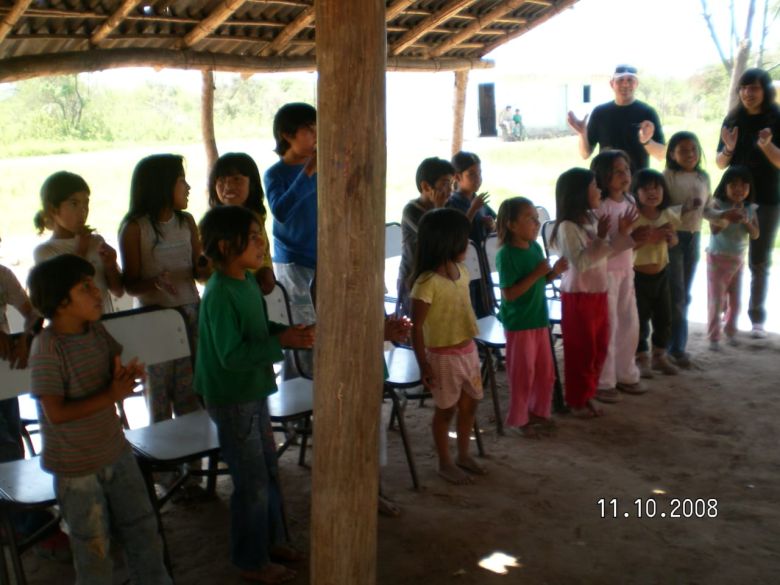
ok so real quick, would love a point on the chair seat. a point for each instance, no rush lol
(176, 440)
(491, 332)
(293, 400)
(402, 368)
(24, 483)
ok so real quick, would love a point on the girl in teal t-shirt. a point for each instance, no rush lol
(523, 273)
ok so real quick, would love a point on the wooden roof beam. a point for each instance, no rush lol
(427, 24)
(397, 8)
(13, 17)
(220, 14)
(481, 22)
(113, 21)
(531, 25)
(305, 18)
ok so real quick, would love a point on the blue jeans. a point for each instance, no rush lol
(113, 498)
(248, 448)
(760, 259)
(683, 259)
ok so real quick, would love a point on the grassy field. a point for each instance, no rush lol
(529, 168)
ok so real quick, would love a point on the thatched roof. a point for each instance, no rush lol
(40, 37)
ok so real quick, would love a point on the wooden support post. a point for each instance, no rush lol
(348, 360)
(207, 118)
(459, 109)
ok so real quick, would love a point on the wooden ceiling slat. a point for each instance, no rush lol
(429, 23)
(475, 27)
(289, 32)
(397, 8)
(220, 14)
(13, 17)
(548, 14)
(113, 21)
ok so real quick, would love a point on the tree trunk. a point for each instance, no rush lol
(348, 360)
(740, 60)
(207, 119)
(459, 109)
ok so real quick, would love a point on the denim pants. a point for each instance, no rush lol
(760, 259)
(683, 259)
(654, 306)
(114, 498)
(248, 448)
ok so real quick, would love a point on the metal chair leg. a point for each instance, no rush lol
(558, 403)
(489, 375)
(395, 411)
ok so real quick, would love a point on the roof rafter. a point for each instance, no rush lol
(397, 8)
(113, 21)
(220, 14)
(475, 27)
(289, 32)
(536, 22)
(427, 24)
(13, 17)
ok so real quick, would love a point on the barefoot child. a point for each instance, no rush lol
(234, 375)
(65, 207)
(523, 274)
(651, 277)
(443, 327)
(737, 223)
(582, 240)
(77, 378)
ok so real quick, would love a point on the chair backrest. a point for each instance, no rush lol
(544, 215)
(152, 335)
(552, 256)
(546, 231)
(491, 249)
(393, 248)
(278, 305)
(392, 239)
(477, 266)
(473, 261)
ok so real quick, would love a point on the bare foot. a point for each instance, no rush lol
(284, 552)
(388, 507)
(270, 574)
(453, 475)
(541, 421)
(594, 408)
(527, 432)
(469, 464)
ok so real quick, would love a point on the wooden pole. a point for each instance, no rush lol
(207, 118)
(348, 361)
(459, 109)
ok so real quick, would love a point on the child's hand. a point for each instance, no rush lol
(397, 329)
(603, 226)
(691, 204)
(626, 220)
(641, 235)
(107, 255)
(428, 377)
(163, 283)
(729, 137)
(6, 345)
(82, 243)
(489, 223)
(20, 351)
(478, 202)
(311, 165)
(124, 378)
(764, 137)
(666, 232)
(646, 131)
(297, 337)
(561, 265)
(543, 268)
(734, 215)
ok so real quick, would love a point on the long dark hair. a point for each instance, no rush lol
(151, 189)
(674, 142)
(602, 165)
(647, 177)
(732, 173)
(56, 189)
(571, 197)
(749, 77)
(240, 163)
(507, 213)
(442, 235)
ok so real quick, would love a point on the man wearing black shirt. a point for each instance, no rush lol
(625, 123)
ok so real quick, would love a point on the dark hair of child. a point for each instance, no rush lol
(151, 188)
(50, 281)
(602, 165)
(226, 223)
(442, 236)
(431, 170)
(571, 197)
(645, 177)
(507, 213)
(749, 77)
(731, 174)
(288, 119)
(54, 191)
(237, 163)
(462, 161)
(674, 141)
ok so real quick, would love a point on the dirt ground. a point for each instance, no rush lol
(710, 433)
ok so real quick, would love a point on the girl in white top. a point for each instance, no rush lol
(582, 239)
(161, 255)
(689, 186)
(613, 176)
(64, 211)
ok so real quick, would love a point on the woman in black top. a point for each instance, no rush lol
(751, 137)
